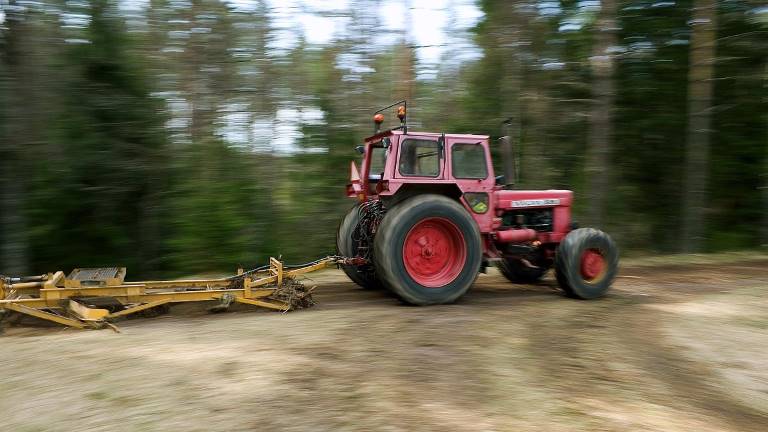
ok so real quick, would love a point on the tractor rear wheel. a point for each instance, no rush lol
(586, 263)
(347, 244)
(516, 271)
(428, 250)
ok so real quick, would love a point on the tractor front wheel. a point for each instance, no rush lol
(428, 250)
(586, 263)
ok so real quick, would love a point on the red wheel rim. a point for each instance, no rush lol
(592, 265)
(434, 252)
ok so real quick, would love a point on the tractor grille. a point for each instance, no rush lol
(535, 219)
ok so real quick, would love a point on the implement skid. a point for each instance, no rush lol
(90, 298)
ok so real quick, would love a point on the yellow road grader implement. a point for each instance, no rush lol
(92, 298)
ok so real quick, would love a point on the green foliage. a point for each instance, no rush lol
(102, 159)
(210, 211)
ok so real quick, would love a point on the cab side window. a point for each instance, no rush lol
(419, 158)
(468, 161)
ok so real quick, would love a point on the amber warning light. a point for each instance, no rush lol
(399, 108)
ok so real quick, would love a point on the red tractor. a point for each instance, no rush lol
(431, 215)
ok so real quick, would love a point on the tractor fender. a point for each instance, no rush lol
(408, 190)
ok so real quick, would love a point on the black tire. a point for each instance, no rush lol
(517, 272)
(391, 237)
(568, 263)
(347, 246)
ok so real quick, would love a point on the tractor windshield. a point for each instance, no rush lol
(378, 161)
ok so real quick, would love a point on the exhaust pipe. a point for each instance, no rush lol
(516, 235)
(508, 155)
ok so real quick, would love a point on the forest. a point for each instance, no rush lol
(177, 137)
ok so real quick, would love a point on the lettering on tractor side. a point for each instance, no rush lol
(536, 203)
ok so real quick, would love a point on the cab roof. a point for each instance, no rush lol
(391, 132)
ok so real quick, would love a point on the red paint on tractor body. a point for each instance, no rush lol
(390, 179)
(516, 235)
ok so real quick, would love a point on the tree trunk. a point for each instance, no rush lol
(600, 135)
(405, 74)
(13, 233)
(764, 233)
(701, 68)
(13, 250)
(511, 37)
(538, 170)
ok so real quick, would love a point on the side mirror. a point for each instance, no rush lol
(501, 180)
(360, 149)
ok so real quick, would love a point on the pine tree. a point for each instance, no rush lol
(600, 136)
(700, 88)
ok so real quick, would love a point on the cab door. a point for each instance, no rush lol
(469, 166)
(470, 163)
(421, 157)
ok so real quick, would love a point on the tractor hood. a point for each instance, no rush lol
(517, 199)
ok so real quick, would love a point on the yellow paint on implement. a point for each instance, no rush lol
(95, 277)
(56, 292)
(138, 308)
(276, 268)
(85, 313)
(44, 315)
(182, 283)
(274, 304)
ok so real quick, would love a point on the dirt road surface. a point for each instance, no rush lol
(674, 347)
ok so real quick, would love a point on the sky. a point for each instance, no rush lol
(436, 23)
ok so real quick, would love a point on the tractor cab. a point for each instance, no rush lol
(397, 163)
(393, 159)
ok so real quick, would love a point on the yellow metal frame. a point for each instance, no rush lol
(54, 298)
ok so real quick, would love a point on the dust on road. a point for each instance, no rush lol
(672, 348)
